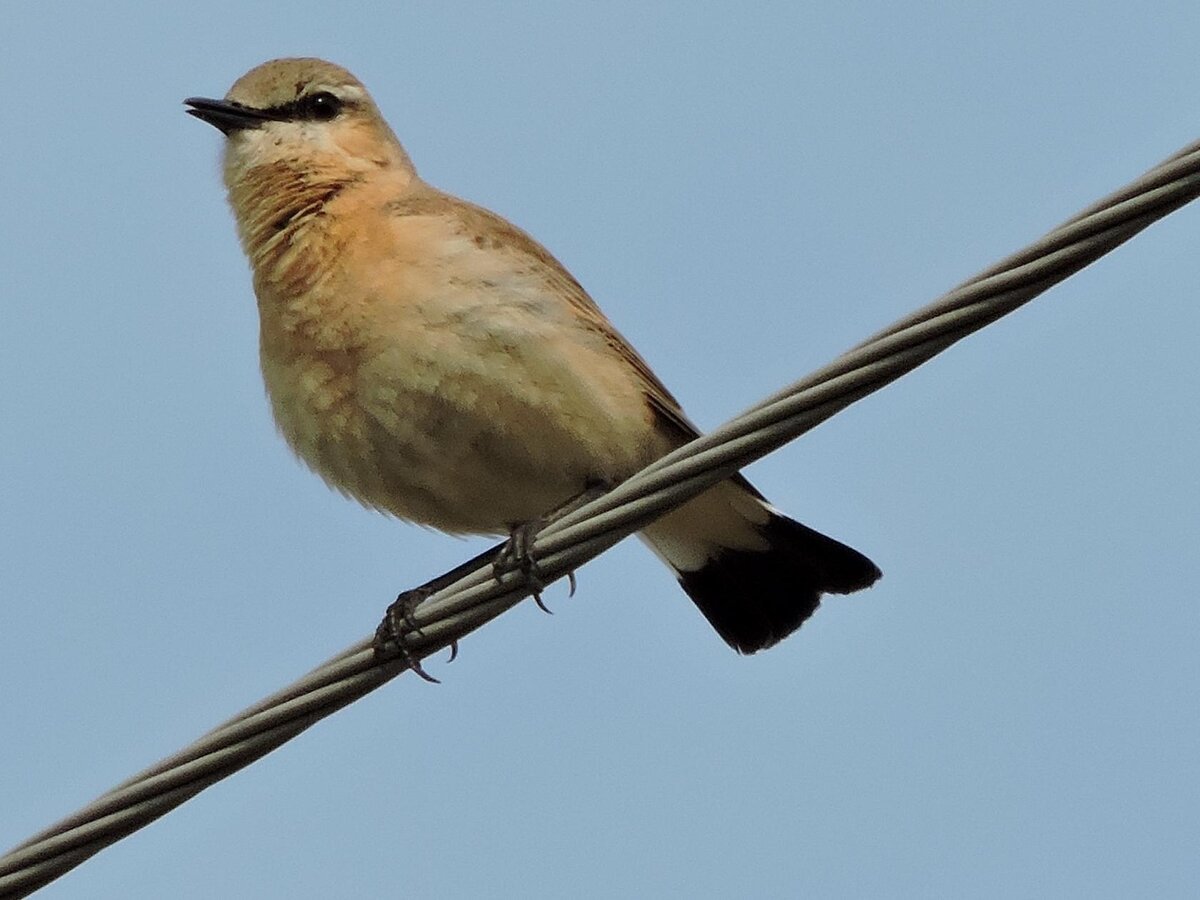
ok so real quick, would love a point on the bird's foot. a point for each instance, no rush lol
(398, 623)
(517, 554)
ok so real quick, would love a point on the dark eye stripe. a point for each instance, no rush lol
(319, 107)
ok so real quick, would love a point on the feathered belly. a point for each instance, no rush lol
(462, 447)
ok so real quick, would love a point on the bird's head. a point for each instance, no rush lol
(304, 115)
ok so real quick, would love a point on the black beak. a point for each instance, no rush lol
(227, 115)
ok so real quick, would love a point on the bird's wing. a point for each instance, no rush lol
(482, 224)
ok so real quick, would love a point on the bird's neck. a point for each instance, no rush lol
(279, 212)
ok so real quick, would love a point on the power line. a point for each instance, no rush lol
(567, 543)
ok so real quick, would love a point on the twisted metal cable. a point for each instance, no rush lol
(477, 596)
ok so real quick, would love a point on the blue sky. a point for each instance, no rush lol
(747, 191)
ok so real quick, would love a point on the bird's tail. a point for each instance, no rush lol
(754, 573)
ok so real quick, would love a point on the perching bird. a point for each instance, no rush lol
(432, 360)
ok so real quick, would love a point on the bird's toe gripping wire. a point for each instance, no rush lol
(517, 552)
(398, 623)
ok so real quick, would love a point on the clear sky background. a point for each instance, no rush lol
(747, 190)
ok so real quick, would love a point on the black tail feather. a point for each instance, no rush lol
(756, 599)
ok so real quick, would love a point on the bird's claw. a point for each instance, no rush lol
(517, 553)
(398, 622)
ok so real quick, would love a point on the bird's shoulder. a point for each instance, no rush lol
(482, 232)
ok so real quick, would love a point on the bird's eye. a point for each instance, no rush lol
(321, 105)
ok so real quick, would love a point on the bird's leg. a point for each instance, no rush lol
(398, 622)
(517, 551)
(514, 553)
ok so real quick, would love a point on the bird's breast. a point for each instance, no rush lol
(464, 403)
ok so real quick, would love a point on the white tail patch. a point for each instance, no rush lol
(725, 517)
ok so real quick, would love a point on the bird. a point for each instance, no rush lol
(430, 359)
